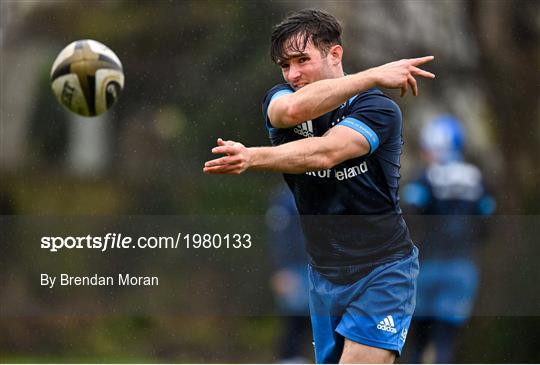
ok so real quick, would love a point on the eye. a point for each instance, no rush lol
(284, 65)
(303, 59)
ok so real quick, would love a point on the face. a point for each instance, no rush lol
(302, 68)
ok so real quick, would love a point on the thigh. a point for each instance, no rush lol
(357, 353)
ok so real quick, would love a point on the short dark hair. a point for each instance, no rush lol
(320, 27)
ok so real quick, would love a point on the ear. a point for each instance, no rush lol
(336, 54)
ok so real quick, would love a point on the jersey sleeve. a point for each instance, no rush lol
(277, 136)
(486, 204)
(274, 93)
(417, 196)
(376, 117)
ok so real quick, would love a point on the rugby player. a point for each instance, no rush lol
(452, 192)
(337, 139)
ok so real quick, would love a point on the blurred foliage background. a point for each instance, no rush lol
(196, 71)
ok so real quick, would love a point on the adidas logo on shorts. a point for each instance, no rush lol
(387, 325)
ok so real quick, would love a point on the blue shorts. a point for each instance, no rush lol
(447, 289)
(375, 311)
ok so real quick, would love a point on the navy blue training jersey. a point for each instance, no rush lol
(350, 213)
(451, 197)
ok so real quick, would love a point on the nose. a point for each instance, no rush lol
(294, 73)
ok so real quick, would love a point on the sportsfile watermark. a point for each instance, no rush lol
(120, 241)
(224, 264)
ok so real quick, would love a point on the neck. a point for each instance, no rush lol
(338, 71)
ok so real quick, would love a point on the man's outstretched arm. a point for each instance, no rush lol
(309, 154)
(320, 97)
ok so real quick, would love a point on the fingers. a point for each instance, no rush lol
(419, 72)
(420, 60)
(221, 142)
(224, 164)
(415, 71)
(228, 149)
(404, 89)
(412, 82)
(223, 169)
(234, 161)
(227, 160)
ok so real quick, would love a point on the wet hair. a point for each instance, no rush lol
(317, 26)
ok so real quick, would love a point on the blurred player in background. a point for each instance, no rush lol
(451, 191)
(337, 139)
(290, 280)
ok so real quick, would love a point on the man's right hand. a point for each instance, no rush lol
(401, 74)
(236, 161)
